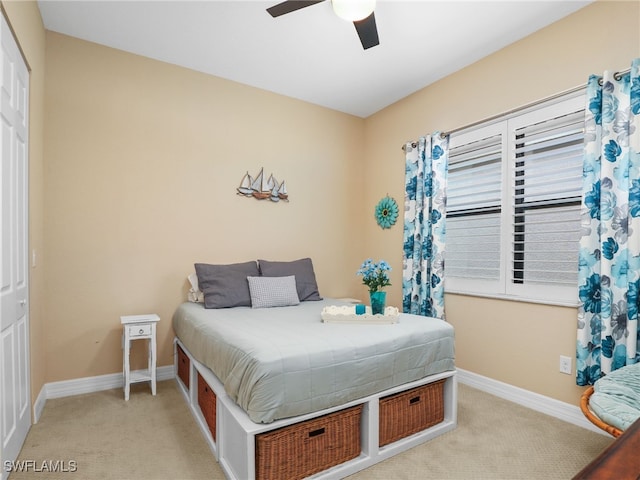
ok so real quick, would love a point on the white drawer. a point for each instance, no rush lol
(139, 330)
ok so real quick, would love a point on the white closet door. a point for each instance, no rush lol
(15, 414)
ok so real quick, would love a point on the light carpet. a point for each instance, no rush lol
(101, 436)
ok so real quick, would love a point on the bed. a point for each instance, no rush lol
(283, 362)
(257, 379)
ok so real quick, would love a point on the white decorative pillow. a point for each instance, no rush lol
(195, 295)
(273, 291)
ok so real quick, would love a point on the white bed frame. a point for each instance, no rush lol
(234, 448)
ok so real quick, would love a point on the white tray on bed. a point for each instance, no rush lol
(347, 314)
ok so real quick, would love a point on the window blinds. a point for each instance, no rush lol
(474, 198)
(546, 191)
(513, 205)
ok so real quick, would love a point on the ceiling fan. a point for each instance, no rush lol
(360, 12)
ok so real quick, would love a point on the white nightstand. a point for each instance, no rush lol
(139, 327)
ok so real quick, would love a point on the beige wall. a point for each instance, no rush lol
(24, 18)
(517, 343)
(143, 161)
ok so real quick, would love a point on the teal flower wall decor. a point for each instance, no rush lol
(387, 212)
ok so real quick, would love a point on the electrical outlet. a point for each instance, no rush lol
(565, 364)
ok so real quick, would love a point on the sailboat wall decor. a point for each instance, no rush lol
(261, 189)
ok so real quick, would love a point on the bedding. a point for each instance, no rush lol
(194, 294)
(273, 291)
(282, 362)
(616, 397)
(302, 269)
(226, 286)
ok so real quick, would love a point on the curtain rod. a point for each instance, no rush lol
(616, 75)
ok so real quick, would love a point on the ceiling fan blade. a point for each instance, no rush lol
(290, 6)
(367, 31)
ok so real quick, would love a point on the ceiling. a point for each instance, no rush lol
(310, 54)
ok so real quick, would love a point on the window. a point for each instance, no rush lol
(513, 205)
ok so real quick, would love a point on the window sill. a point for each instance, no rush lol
(512, 298)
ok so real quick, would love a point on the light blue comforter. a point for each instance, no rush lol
(283, 362)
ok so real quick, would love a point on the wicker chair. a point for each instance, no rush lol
(593, 418)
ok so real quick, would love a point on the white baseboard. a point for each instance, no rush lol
(547, 405)
(38, 405)
(79, 386)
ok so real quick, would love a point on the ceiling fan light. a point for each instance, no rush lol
(353, 10)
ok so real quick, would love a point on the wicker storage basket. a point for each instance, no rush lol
(409, 412)
(207, 402)
(300, 450)
(183, 366)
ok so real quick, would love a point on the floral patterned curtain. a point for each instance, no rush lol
(609, 268)
(424, 232)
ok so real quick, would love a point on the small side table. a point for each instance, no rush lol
(139, 327)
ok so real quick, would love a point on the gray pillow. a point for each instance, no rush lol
(226, 285)
(303, 271)
(273, 291)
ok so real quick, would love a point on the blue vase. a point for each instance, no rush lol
(378, 300)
